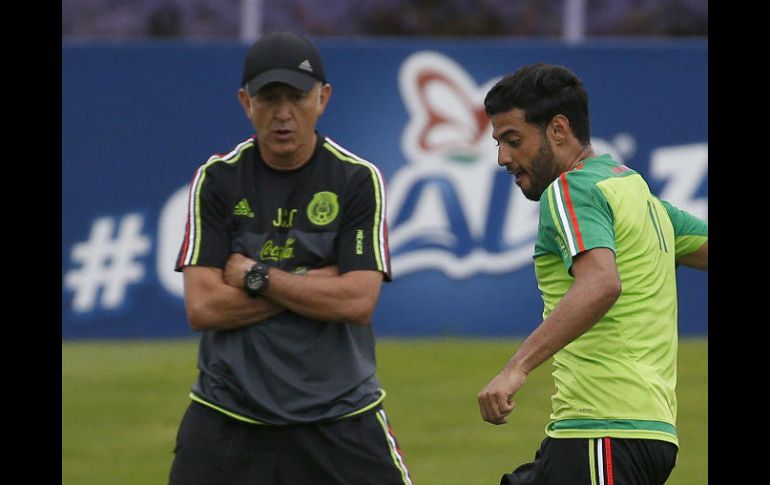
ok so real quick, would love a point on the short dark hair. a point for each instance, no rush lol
(543, 91)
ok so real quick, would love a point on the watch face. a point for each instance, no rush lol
(254, 281)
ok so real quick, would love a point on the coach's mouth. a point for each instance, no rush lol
(282, 134)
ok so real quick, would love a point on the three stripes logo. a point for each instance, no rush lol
(242, 208)
(305, 66)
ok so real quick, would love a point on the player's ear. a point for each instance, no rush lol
(323, 97)
(558, 129)
(243, 98)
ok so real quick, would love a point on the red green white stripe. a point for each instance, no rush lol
(600, 461)
(395, 452)
(567, 215)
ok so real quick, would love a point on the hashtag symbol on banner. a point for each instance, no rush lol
(107, 263)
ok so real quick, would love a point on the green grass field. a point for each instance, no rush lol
(122, 402)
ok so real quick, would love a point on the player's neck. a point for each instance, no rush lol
(582, 152)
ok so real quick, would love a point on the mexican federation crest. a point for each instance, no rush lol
(323, 209)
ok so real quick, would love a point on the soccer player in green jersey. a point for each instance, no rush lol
(605, 260)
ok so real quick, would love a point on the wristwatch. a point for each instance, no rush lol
(255, 279)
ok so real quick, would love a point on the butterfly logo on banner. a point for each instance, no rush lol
(451, 207)
(447, 117)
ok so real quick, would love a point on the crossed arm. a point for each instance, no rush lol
(215, 298)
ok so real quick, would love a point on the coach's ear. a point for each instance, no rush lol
(243, 98)
(323, 98)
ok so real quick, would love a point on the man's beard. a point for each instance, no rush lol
(542, 173)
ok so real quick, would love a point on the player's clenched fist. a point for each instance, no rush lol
(496, 399)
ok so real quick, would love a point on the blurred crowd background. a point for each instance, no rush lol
(213, 19)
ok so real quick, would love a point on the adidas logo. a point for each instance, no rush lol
(305, 66)
(242, 209)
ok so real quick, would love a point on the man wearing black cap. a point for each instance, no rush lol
(283, 257)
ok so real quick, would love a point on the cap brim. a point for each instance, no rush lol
(303, 82)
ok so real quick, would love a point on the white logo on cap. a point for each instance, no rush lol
(305, 65)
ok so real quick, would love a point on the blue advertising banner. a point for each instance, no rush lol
(137, 120)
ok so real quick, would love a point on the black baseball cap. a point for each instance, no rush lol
(282, 57)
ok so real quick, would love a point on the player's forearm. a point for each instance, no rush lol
(349, 298)
(698, 259)
(579, 310)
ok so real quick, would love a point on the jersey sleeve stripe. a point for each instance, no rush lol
(186, 241)
(563, 218)
(554, 216)
(380, 227)
(190, 231)
(196, 209)
(575, 227)
(193, 231)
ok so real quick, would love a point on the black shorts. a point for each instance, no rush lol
(212, 448)
(595, 461)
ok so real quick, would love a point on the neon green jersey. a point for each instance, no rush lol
(619, 378)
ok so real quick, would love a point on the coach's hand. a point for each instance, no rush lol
(496, 399)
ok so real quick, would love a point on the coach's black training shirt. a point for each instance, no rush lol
(288, 369)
